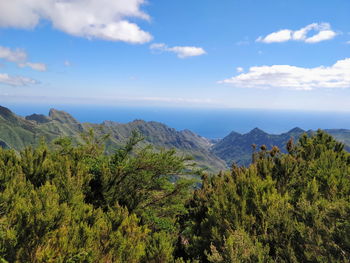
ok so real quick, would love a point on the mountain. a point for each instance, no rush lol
(238, 148)
(17, 132)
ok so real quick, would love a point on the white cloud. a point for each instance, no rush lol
(180, 51)
(279, 36)
(239, 69)
(292, 77)
(103, 19)
(322, 31)
(19, 57)
(67, 63)
(16, 56)
(16, 80)
(321, 36)
(35, 66)
(158, 46)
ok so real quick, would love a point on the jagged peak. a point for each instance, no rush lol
(61, 116)
(5, 112)
(234, 133)
(257, 131)
(296, 130)
(138, 121)
(8, 115)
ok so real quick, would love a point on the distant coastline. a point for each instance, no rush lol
(209, 123)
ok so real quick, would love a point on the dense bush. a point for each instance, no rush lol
(283, 208)
(72, 203)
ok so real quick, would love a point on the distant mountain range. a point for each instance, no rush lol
(237, 147)
(17, 132)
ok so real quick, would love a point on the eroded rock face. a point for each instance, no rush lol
(65, 118)
(7, 114)
(237, 148)
(39, 118)
(19, 132)
(61, 116)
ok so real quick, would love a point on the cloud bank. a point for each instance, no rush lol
(20, 57)
(180, 51)
(292, 77)
(322, 31)
(16, 80)
(102, 19)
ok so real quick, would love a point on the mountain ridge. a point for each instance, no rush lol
(238, 148)
(17, 132)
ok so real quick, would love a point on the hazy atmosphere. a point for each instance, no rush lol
(208, 54)
(182, 131)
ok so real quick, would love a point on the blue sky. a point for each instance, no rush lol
(273, 54)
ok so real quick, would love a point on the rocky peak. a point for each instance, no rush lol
(257, 131)
(296, 130)
(39, 118)
(62, 116)
(7, 114)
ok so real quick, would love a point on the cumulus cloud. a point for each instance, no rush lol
(16, 56)
(322, 32)
(103, 19)
(16, 80)
(35, 66)
(180, 51)
(292, 77)
(20, 57)
(276, 37)
(239, 69)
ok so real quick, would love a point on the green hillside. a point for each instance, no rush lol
(17, 132)
(73, 203)
(238, 148)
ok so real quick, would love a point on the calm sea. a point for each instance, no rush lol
(210, 123)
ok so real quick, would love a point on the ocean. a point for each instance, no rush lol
(210, 123)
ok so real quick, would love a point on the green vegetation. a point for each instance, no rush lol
(237, 147)
(17, 133)
(73, 203)
(283, 208)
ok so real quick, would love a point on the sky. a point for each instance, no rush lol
(250, 54)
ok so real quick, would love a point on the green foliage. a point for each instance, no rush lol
(72, 203)
(17, 133)
(75, 204)
(283, 208)
(159, 249)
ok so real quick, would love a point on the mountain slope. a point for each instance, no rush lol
(17, 132)
(160, 136)
(238, 148)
